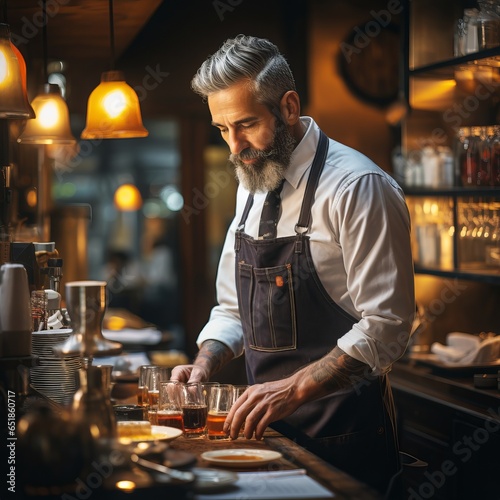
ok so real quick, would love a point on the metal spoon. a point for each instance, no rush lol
(177, 476)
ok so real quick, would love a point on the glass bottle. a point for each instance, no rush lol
(431, 167)
(462, 148)
(92, 405)
(459, 150)
(495, 157)
(488, 25)
(484, 166)
(466, 39)
(469, 155)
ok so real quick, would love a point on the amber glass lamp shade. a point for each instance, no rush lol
(113, 110)
(22, 67)
(128, 198)
(14, 102)
(51, 125)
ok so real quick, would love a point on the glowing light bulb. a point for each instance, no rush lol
(114, 103)
(3, 67)
(48, 115)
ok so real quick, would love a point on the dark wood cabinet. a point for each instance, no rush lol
(455, 430)
(476, 444)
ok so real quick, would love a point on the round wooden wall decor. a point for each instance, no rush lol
(368, 61)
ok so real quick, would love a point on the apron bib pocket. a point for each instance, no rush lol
(268, 307)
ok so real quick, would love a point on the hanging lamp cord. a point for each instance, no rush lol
(112, 35)
(44, 42)
(4, 12)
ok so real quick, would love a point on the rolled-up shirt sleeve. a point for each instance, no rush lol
(373, 226)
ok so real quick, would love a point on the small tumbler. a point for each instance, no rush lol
(221, 400)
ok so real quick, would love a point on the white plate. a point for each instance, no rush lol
(213, 479)
(241, 457)
(158, 433)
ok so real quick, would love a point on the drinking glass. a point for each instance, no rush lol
(194, 410)
(155, 376)
(221, 400)
(206, 387)
(238, 390)
(170, 405)
(142, 391)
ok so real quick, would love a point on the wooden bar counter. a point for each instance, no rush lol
(294, 456)
(342, 485)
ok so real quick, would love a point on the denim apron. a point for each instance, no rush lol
(289, 320)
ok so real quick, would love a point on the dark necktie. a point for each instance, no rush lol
(270, 213)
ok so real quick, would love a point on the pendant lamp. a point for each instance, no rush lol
(14, 102)
(113, 110)
(51, 125)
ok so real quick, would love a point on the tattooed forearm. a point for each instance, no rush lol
(337, 370)
(213, 355)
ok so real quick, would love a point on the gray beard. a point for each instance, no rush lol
(269, 170)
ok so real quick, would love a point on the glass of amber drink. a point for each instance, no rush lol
(169, 411)
(220, 402)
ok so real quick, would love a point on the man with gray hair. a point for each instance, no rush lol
(315, 281)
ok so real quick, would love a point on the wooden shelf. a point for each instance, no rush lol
(455, 192)
(446, 68)
(482, 276)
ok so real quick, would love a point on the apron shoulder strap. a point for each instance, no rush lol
(241, 225)
(317, 167)
(245, 213)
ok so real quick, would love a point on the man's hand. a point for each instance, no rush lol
(189, 373)
(260, 405)
(212, 356)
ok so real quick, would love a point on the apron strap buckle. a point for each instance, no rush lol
(299, 241)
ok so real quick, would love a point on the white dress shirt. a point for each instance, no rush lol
(360, 246)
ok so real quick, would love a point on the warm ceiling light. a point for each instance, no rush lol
(113, 110)
(128, 198)
(51, 125)
(13, 98)
(31, 198)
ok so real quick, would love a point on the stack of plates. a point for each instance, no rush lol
(56, 376)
